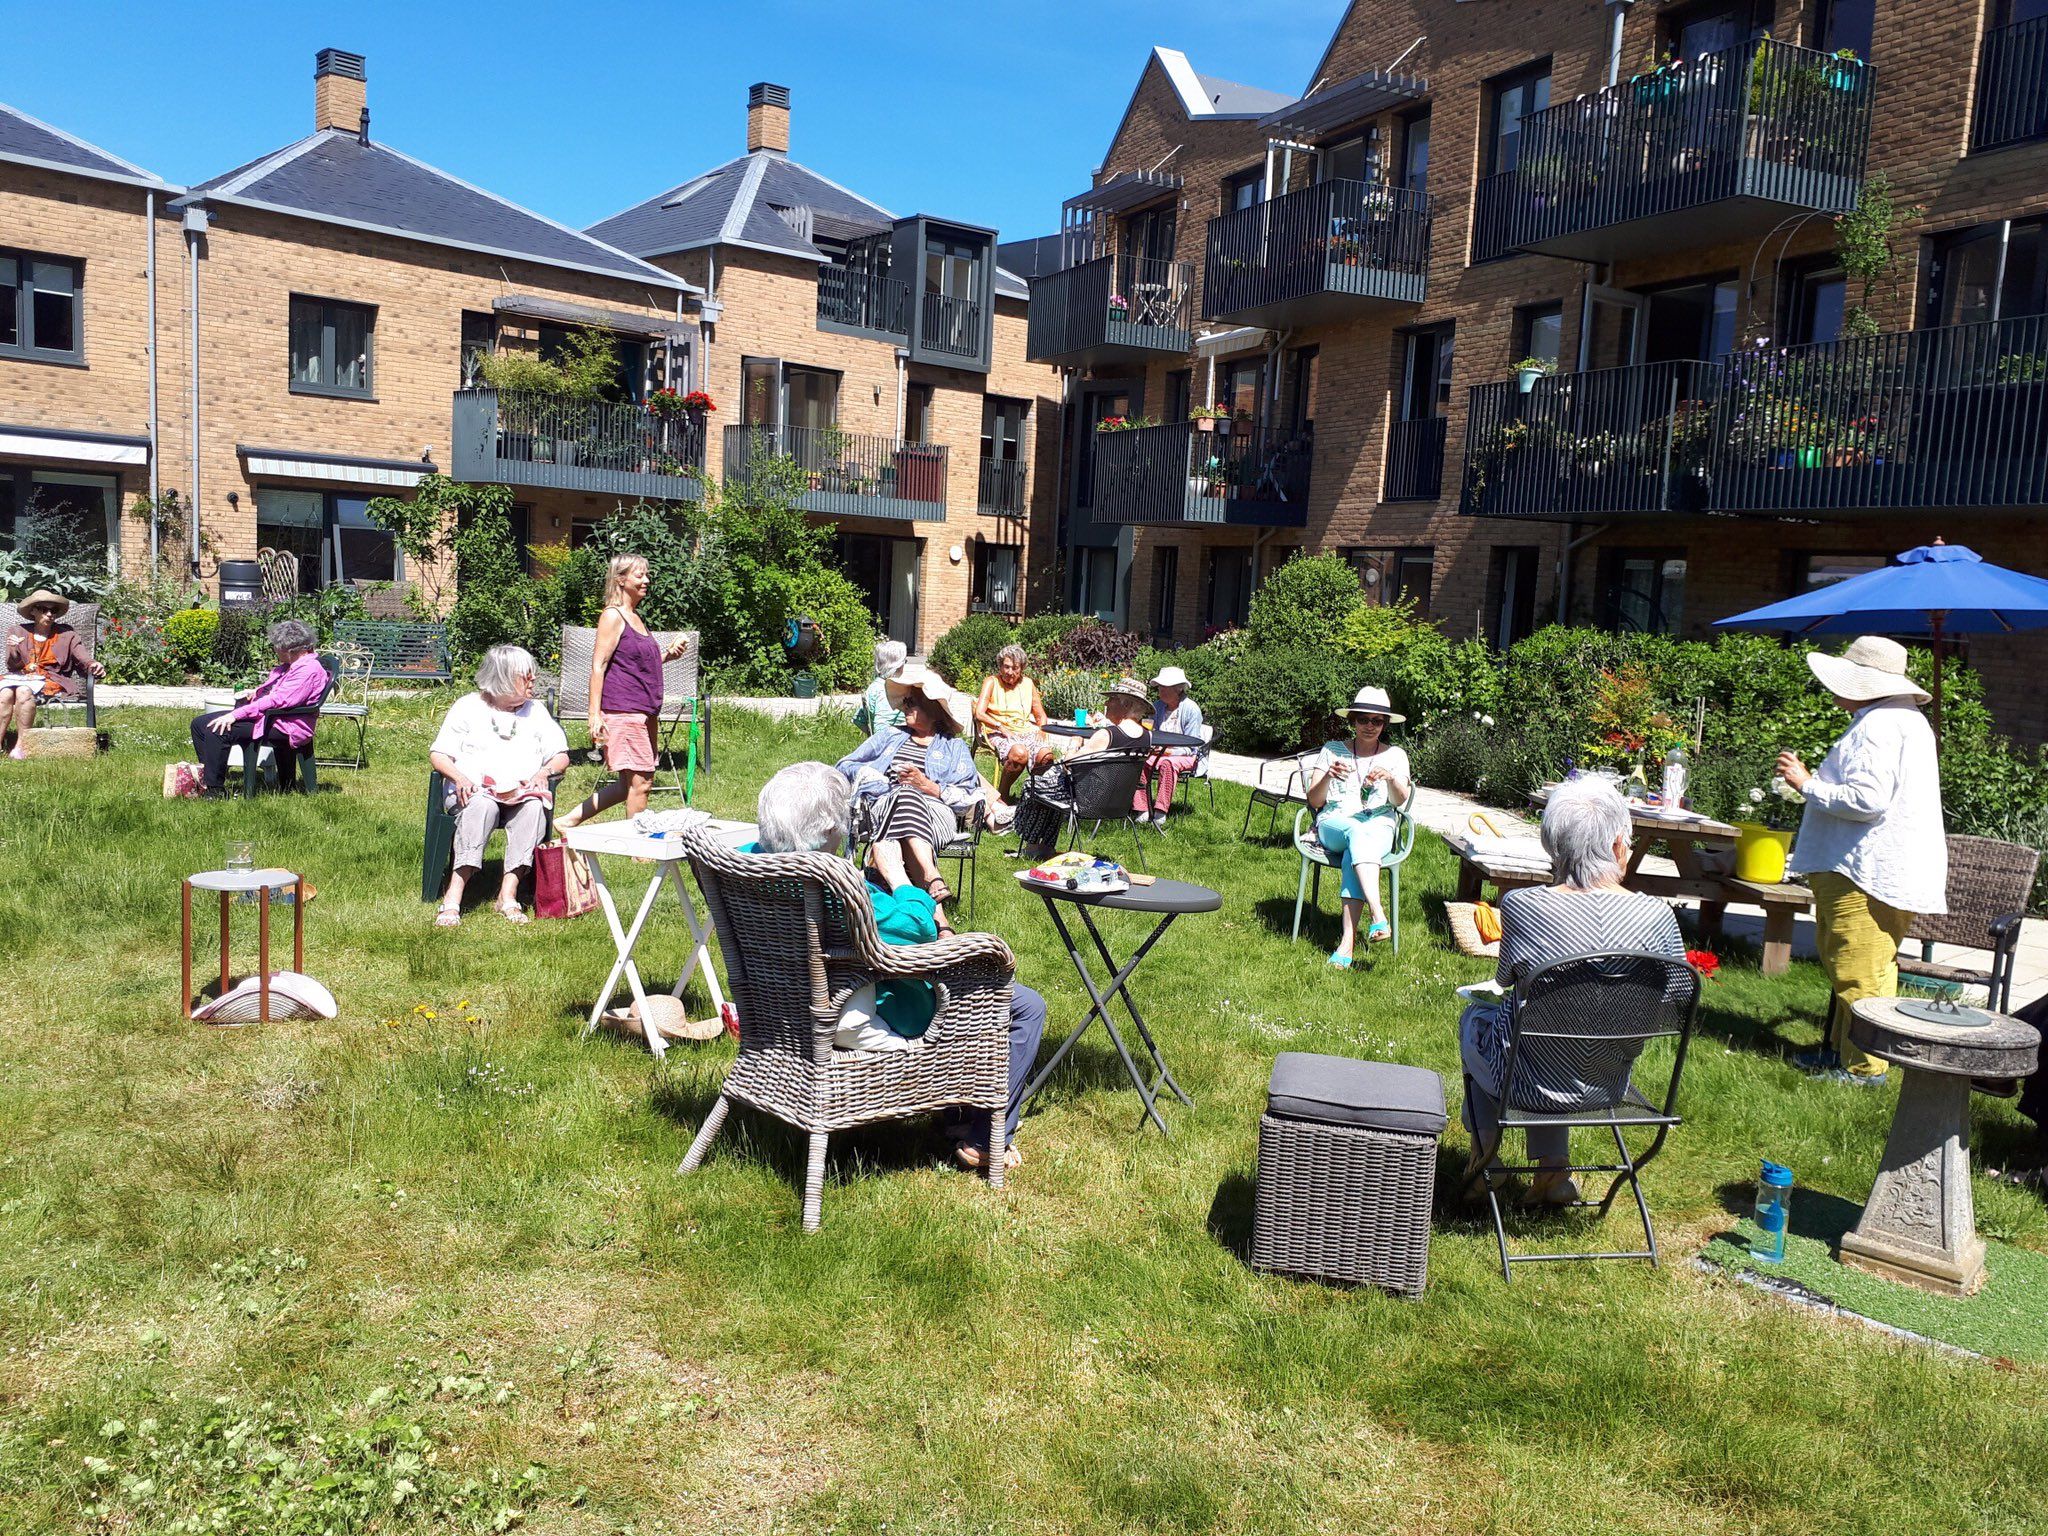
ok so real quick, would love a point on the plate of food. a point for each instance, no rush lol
(1079, 872)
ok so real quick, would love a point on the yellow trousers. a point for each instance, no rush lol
(1858, 937)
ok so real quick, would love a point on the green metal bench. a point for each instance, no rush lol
(399, 652)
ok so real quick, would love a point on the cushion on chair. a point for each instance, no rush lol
(1339, 1090)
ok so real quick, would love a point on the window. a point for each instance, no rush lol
(1353, 160)
(1003, 455)
(1230, 588)
(330, 344)
(1243, 190)
(1689, 31)
(1989, 272)
(519, 520)
(1814, 569)
(1539, 332)
(760, 392)
(331, 534)
(1392, 576)
(1812, 297)
(1840, 24)
(1150, 235)
(1426, 373)
(1178, 384)
(1095, 583)
(629, 379)
(1515, 96)
(1299, 406)
(994, 577)
(56, 516)
(1165, 590)
(811, 398)
(1511, 593)
(1097, 408)
(479, 340)
(1690, 320)
(1642, 590)
(39, 307)
(1241, 387)
(2007, 13)
(917, 414)
(1415, 151)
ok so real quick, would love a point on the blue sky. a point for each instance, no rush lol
(987, 113)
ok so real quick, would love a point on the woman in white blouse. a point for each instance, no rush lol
(1356, 788)
(1871, 842)
(498, 749)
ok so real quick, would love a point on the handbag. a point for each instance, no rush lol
(181, 781)
(562, 883)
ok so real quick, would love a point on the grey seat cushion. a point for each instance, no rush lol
(1339, 1090)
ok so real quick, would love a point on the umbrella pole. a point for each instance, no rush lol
(1934, 625)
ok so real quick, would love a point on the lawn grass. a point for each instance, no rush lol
(434, 1254)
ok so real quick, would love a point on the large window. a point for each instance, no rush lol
(1511, 592)
(1691, 320)
(1244, 190)
(1241, 387)
(1812, 296)
(1642, 591)
(330, 532)
(1539, 332)
(994, 583)
(1426, 372)
(917, 412)
(1840, 24)
(1230, 588)
(1415, 151)
(1095, 586)
(1691, 30)
(39, 308)
(1988, 272)
(58, 517)
(479, 341)
(1512, 98)
(1353, 160)
(1394, 576)
(330, 344)
(629, 355)
(778, 394)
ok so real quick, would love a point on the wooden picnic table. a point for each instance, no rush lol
(1686, 837)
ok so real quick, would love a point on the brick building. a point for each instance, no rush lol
(1641, 195)
(884, 354)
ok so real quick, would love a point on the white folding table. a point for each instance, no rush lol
(621, 839)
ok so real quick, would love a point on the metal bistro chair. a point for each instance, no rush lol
(1292, 773)
(1584, 1021)
(1315, 857)
(799, 939)
(352, 675)
(1106, 789)
(681, 702)
(1989, 886)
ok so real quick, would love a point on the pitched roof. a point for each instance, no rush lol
(334, 177)
(27, 140)
(1207, 96)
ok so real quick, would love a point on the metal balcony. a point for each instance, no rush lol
(1329, 251)
(1177, 474)
(2012, 86)
(523, 437)
(1114, 309)
(863, 304)
(846, 474)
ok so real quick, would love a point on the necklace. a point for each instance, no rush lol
(506, 731)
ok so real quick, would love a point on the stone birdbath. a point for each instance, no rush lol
(1919, 1225)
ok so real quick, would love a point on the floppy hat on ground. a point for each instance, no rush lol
(1374, 701)
(292, 996)
(1871, 668)
(1170, 677)
(1130, 688)
(934, 689)
(43, 597)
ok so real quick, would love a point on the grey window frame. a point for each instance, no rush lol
(1525, 328)
(25, 308)
(328, 307)
(1535, 72)
(981, 555)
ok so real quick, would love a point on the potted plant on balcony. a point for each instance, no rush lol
(1119, 307)
(1530, 369)
(1206, 418)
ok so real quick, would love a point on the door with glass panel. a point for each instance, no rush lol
(952, 311)
(1002, 456)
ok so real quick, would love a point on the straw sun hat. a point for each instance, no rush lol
(1374, 701)
(1871, 668)
(43, 597)
(934, 690)
(1130, 688)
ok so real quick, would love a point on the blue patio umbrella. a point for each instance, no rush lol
(1936, 590)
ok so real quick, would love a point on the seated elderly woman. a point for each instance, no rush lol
(1587, 912)
(806, 808)
(296, 681)
(1011, 713)
(44, 662)
(498, 749)
(913, 782)
(1049, 793)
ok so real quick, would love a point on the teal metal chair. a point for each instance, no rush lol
(439, 845)
(1315, 858)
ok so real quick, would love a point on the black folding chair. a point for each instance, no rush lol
(1106, 789)
(1579, 1026)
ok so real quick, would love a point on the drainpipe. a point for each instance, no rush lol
(902, 391)
(1063, 481)
(149, 276)
(1617, 16)
(1573, 540)
(195, 228)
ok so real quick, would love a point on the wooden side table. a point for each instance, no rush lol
(230, 883)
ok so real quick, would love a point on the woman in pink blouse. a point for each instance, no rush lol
(297, 680)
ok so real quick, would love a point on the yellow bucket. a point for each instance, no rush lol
(1760, 852)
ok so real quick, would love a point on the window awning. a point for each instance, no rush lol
(72, 447)
(331, 468)
(560, 311)
(1131, 189)
(1347, 102)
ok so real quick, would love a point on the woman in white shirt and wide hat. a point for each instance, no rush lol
(1871, 843)
(1356, 787)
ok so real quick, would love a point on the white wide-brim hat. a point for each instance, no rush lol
(928, 685)
(1170, 677)
(1871, 668)
(1374, 701)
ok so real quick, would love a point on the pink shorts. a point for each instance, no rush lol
(629, 743)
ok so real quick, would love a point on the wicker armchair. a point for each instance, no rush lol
(1989, 886)
(799, 939)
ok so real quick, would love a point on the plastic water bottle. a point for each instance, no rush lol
(1773, 1213)
(1672, 791)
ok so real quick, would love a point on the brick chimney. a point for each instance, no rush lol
(340, 92)
(768, 118)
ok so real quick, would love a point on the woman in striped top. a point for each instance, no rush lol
(1588, 911)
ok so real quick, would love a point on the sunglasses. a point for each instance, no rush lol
(1378, 720)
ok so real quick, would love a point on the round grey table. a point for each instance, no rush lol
(1920, 1223)
(1164, 741)
(1165, 899)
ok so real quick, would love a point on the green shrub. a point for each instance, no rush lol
(966, 653)
(1274, 701)
(189, 634)
(846, 628)
(1208, 663)
(1304, 604)
(1036, 635)
(1094, 646)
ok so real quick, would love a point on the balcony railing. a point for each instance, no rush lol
(952, 327)
(1002, 488)
(1415, 459)
(863, 302)
(1618, 440)
(523, 437)
(1750, 131)
(1180, 474)
(2012, 85)
(845, 474)
(1111, 309)
(1948, 417)
(1330, 249)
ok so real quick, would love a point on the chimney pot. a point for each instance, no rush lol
(768, 118)
(340, 91)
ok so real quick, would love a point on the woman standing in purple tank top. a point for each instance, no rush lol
(625, 692)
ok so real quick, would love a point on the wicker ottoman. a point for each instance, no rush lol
(1347, 1166)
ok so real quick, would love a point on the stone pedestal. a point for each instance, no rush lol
(1920, 1223)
